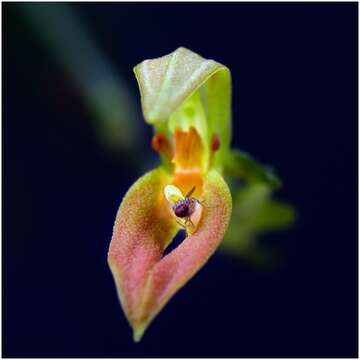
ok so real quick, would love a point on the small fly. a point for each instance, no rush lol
(183, 207)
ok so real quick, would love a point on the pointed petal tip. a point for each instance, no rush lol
(138, 332)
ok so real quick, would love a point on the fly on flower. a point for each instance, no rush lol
(187, 100)
(187, 209)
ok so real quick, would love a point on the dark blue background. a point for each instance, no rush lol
(294, 70)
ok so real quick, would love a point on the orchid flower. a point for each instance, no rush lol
(187, 100)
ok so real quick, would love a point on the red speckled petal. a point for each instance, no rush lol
(145, 279)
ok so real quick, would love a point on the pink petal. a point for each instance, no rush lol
(145, 279)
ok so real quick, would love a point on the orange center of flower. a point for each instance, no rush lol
(186, 154)
(188, 161)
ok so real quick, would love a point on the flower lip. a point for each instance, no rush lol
(146, 278)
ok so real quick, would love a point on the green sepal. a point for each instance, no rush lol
(182, 89)
(255, 213)
(242, 166)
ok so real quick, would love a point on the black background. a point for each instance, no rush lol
(294, 69)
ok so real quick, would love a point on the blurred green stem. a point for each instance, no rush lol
(104, 91)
